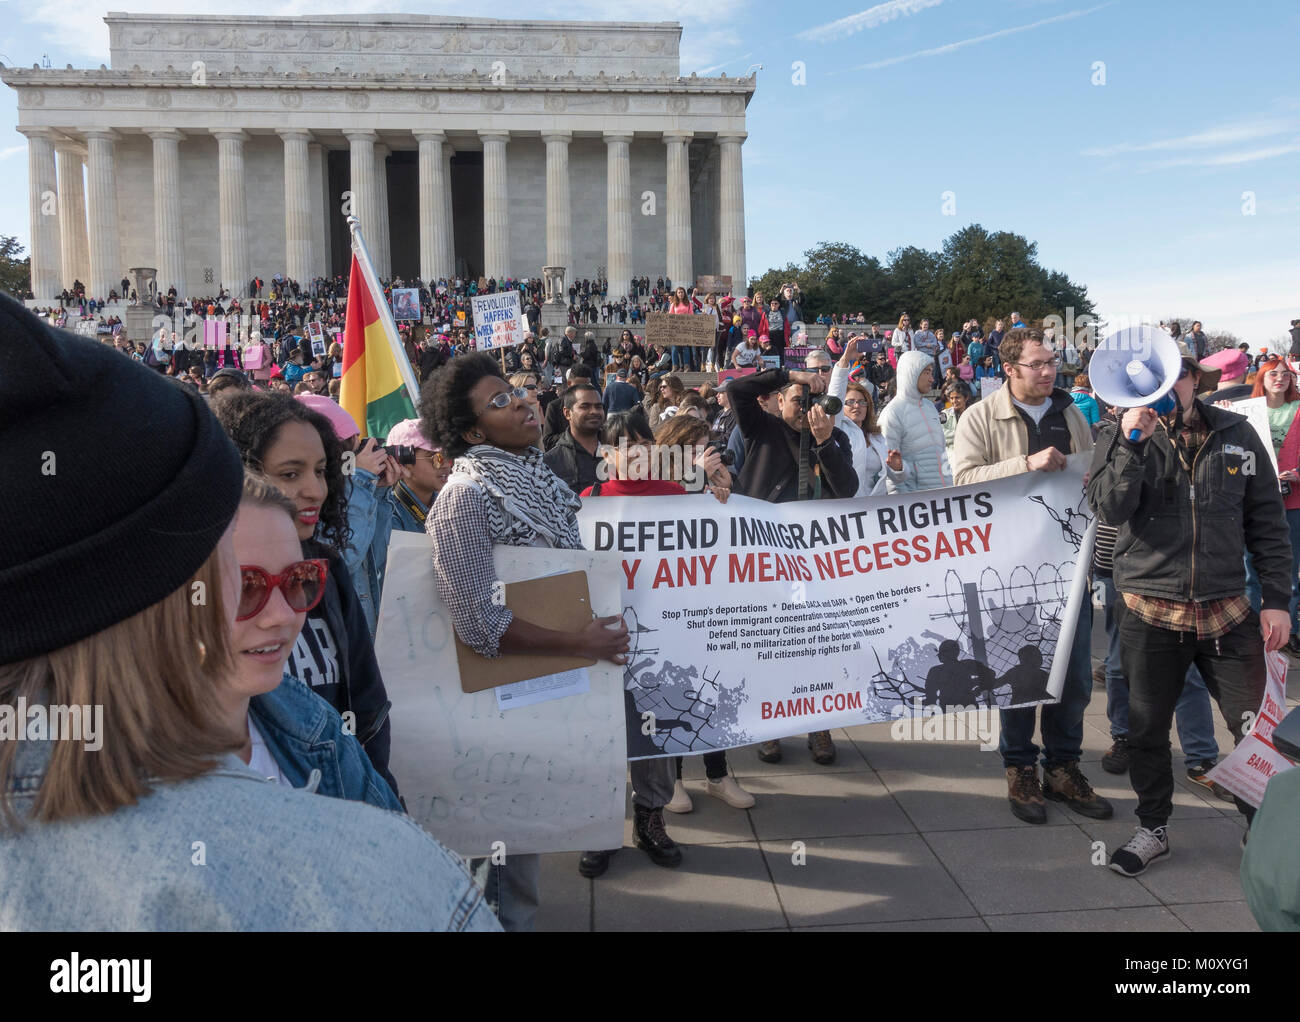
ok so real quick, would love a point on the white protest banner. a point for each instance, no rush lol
(546, 777)
(497, 320)
(1255, 409)
(753, 621)
(317, 336)
(989, 385)
(1247, 770)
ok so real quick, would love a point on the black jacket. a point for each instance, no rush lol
(771, 469)
(361, 688)
(554, 424)
(569, 460)
(1174, 548)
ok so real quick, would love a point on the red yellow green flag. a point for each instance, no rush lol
(372, 389)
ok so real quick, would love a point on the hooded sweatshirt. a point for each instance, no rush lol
(912, 426)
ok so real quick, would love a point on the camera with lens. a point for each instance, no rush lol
(828, 404)
(727, 457)
(403, 453)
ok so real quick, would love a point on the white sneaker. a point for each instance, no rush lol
(681, 801)
(731, 793)
(1142, 849)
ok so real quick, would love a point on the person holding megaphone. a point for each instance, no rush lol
(1190, 492)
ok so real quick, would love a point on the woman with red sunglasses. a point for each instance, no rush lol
(288, 730)
(297, 450)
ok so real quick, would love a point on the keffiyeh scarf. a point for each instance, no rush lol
(525, 498)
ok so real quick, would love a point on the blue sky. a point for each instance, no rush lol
(1133, 187)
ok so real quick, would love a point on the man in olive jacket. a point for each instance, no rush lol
(1190, 496)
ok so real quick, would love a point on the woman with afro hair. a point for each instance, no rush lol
(500, 492)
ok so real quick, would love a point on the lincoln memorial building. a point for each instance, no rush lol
(217, 149)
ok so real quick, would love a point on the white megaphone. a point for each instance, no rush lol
(1137, 368)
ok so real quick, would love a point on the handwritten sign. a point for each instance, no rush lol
(718, 284)
(691, 331)
(548, 777)
(497, 321)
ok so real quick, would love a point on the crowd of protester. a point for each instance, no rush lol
(504, 450)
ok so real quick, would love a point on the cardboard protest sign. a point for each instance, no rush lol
(683, 330)
(705, 283)
(547, 776)
(753, 621)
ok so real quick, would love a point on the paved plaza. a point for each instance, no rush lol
(911, 836)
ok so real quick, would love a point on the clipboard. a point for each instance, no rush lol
(561, 602)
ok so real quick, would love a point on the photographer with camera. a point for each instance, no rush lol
(796, 454)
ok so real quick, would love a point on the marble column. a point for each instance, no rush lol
(618, 201)
(43, 207)
(382, 250)
(101, 208)
(559, 219)
(679, 208)
(496, 205)
(321, 203)
(448, 151)
(73, 243)
(168, 231)
(362, 185)
(732, 219)
(232, 212)
(297, 207)
(435, 226)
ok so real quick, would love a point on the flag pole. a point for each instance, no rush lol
(385, 313)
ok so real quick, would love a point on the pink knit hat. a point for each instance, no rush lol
(1234, 363)
(344, 425)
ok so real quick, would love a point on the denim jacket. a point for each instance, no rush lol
(305, 736)
(370, 516)
(228, 850)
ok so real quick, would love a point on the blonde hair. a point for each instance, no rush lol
(156, 676)
(521, 378)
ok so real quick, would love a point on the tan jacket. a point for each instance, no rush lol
(992, 439)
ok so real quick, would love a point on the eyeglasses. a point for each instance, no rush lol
(530, 386)
(302, 583)
(1038, 367)
(855, 403)
(820, 369)
(503, 398)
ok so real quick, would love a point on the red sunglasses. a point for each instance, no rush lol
(302, 583)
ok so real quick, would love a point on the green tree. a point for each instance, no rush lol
(15, 273)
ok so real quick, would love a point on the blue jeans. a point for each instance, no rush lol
(1062, 729)
(511, 890)
(1255, 592)
(1193, 712)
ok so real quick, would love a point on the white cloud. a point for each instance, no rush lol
(13, 150)
(718, 67)
(939, 51)
(1229, 159)
(1228, 134)
(870, 18)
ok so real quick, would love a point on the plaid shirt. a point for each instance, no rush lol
(1213, 618)
(464, 569)
(1209, 620)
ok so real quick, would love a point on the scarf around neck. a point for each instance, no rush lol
(525, 498)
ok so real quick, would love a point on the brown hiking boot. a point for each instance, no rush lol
(1064, 783)
(823, 749)
(1025, 794)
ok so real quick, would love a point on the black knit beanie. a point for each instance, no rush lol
(115, 485)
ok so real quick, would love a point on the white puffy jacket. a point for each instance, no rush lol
(912, 426)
